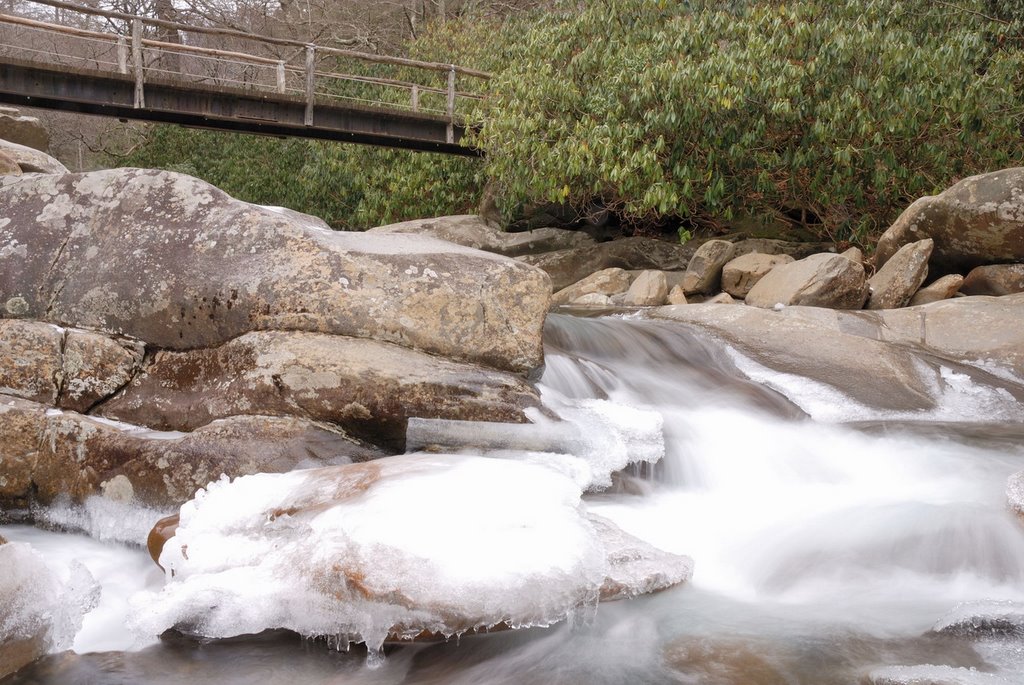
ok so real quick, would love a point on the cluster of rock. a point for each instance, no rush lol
(157, 333)
(975, 227)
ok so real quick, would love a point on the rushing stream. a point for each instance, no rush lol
(828, 539)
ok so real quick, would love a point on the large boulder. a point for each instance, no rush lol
(704, 272)
(566, 267)
(369, 388)
(822, 280)
(23, 130)
(875, 357)
(29, 160)
(474, 231)
(48, 453)
(177, 263)
(900, 277)
(994, 279)
(321, 553)
(741, 274)
(980, 220)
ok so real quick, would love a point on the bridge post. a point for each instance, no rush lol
(140, 95)
(122, 55)
(415, 97)
(310, 82)
(282, 83)
(450, 134)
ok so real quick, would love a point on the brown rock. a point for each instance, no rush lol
(370, 388)
(8, 167)
(78, 454)
(21, 430)
(566, 267)
(824, 280)
(174, 262)
(649, 288)
(978, 221)
(704, 273)
(995, 279)
(605, 282)
(725, 661)
(474, 231)
(900, 277)
(28, 131)
(942, 289)
(771, 246)
(720, 298)
(741, 274)
(676, 295)
(30, 160)
(94, 367)
(30, 360)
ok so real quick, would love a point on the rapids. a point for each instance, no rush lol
(828, 539)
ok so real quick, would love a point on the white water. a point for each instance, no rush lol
(824, 550)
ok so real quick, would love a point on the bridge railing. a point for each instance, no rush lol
(145, 49)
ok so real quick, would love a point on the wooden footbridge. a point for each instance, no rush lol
(109, 63)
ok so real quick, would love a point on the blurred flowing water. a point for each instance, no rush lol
(823, 550)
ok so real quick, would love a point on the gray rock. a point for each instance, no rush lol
(704, 273)
(173, 261)
(596, 300)
(854, 254)
(30, 160)
(942, 289)
(983, 619)
(900, 277)
(823, 280)
(27, 131)
(978, 221)
(796, 250)
(994, 279)
(474, 231)
(604, 282)
(649, 288)
(720, 298)
(566, 267)
(743, 272)
(368, 388)
(873, 356)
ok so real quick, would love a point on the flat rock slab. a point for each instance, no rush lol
(367, 387)
(566, 267)
(872, 356)
(174, 262)
(473, 231)
(45, 453)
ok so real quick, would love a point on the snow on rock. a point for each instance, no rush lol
(441, 544)
(933, 675)
(1015, 493)
(985, 618)
(39, 612)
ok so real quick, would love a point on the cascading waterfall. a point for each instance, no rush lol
(829, 539)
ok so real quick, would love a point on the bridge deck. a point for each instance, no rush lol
(123, 73)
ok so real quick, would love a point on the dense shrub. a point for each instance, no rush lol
(845, 111)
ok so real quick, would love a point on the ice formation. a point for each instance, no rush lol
(983, 618)
(395, 547)
(36, 607)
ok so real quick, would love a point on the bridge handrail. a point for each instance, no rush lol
(272, 40)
